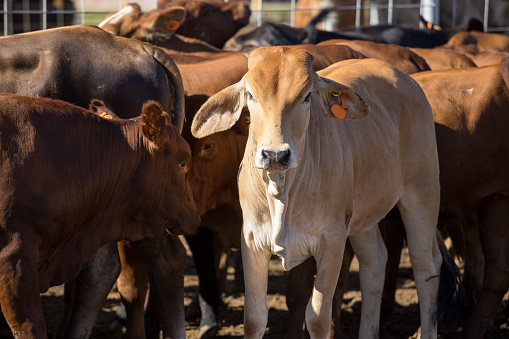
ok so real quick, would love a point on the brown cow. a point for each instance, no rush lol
(482, 41)
(491, 57)
(473, 154)
(98, 180)
(400, 57)
(443, 58)
(157, 27)
(211, 21)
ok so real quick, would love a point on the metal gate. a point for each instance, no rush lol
(18, 16)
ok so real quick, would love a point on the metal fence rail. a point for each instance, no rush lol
(81, 14)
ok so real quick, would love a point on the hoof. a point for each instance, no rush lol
(208, 332)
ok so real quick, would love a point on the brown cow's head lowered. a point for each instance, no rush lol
(279, 99)
(171, 157)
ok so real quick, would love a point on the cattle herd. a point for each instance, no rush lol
(119, 141)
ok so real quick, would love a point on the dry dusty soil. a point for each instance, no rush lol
(402, 323)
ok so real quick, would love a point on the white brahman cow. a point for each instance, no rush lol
(328, 156)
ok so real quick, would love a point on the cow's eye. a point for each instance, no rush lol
(208, 146)
(250, 96)
(307, 98)
(183, 167)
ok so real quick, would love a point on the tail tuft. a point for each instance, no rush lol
(450, 293)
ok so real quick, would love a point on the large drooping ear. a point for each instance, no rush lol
(161, 24)
(124, 22)
(220, 111)
(340, 101)
(154, 124)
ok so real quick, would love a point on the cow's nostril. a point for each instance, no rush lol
(269, 155)
(284, 157)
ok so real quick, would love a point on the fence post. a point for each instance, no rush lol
(429, 11)
(486, 14)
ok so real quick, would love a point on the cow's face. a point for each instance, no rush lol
(173, 206)
(212, 22)
(280, 90)
(279, 101)
(216, 160)
(156, 25)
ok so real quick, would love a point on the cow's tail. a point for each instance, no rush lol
(450, 292)
(175, 80)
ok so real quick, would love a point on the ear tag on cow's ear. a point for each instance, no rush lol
(105, 116)
(337, 110)
(247, 120)
(172, 25)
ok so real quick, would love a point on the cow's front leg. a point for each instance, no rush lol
(256, 272)
(371, 252)
(328, 265)
(19, 294)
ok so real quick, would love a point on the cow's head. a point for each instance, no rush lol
(156, 25)
(280, 89)
(211, 21)
(216, 161)
(168, 174)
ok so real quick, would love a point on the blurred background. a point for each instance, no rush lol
(17, 16)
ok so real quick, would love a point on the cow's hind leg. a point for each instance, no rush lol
(494, 232)
(420, 214)
(370, 250)
(164, 258)
(92, 287)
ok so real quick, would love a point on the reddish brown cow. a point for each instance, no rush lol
(400, 57)
(115, 186)
(473, 153)
(211, 21)
(68, 64)
(482, 41)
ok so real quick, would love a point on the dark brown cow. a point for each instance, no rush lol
(68, 63)
(211, 21)
(400, 57)
(157, 27)
(98, 181)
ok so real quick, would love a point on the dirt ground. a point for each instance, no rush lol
(402, 323)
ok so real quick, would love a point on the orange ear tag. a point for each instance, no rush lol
(172, 25)
(339, 111)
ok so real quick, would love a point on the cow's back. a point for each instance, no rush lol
(79, 63)
(66, 157)
(471, 118)
(385, 150)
